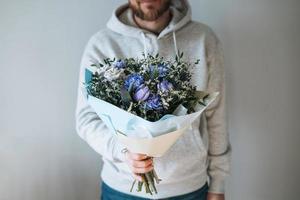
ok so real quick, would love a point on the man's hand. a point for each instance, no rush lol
(213, 196)
(138, 163)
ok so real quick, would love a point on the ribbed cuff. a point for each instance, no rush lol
(217, 186)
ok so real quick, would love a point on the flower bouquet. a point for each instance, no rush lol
(148, 103)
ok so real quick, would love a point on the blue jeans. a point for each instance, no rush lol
(109, 193)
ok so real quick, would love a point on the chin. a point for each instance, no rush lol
(149, 10)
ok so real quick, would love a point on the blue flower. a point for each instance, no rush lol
(120, 64)
(164, 86)
(154, 102)
(141, 93)
(133, 81)
(162, 70)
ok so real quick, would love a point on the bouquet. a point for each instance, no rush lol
(147, 102)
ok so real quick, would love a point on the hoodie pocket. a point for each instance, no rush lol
(186, 159)
(198, 135)
(198, 140)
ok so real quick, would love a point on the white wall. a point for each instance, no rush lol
(41, 43)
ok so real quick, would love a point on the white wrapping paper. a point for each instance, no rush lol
(143, 136)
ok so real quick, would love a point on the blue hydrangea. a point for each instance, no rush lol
(154, 102)
(133, 81)
(162, 70)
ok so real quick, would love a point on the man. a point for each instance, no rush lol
(164, 27)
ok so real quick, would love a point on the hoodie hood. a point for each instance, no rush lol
(122, 21)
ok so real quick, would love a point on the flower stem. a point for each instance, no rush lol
(148, 182)
(132, 185)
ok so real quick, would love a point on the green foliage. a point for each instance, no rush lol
(149, 67)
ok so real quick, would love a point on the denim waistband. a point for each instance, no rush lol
(111, 193)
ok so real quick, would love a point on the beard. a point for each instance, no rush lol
(153, 14)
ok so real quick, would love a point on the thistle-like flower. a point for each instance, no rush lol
(141, 93)
(120, 64)
(164, 86)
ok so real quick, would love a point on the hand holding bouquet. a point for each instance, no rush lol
(148, 103)
(141, 165)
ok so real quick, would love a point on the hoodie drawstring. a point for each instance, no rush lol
(145, 47)
(144, 42)
(175, 43)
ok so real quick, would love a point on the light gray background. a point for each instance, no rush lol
(41, 43)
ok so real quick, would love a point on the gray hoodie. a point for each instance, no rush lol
(203, 153)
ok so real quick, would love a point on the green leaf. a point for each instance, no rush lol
(125, 95)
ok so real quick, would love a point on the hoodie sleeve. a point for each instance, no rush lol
(88, 125)
(219, 147)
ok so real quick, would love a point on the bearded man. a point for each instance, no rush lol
(193, 168)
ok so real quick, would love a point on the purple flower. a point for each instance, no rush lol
(164, 86)
(133, 81)
(120, 64)
(154, 102)
(141, 93)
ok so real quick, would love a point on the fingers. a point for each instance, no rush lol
(141, 170)
(139, 163)
(137, 156)
(142, 166)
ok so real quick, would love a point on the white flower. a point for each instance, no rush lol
(101, 70)
(113, 73)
